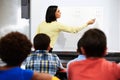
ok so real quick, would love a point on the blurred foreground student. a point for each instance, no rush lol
(52, 28)
(80, 55)
(14, 48)
(95, 66)
(41, 60)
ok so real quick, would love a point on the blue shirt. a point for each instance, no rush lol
(16, 73)
(42, 61)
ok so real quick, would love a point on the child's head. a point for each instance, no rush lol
(93, 43)
(14, 48)
(79, 46)
(41, 41)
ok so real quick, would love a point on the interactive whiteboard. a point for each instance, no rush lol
(76, 16)
(76, 13)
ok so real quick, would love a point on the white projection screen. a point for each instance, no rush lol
(76, 13)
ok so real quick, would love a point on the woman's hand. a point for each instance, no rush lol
(91, 21)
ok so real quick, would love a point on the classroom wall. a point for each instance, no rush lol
(119, 21)
(110, 20)
(10, 18)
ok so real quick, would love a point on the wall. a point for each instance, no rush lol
(10, 18)
(119, 20)
(110, 20)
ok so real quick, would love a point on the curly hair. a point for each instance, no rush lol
(14, 48)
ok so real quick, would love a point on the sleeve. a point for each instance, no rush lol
(28, 74)
(71, 29)
(59, 64)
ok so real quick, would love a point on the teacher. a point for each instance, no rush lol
(52, 28)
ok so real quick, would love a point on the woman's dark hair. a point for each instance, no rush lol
(94, 43)
(50, 13)
(14, 48)
(41, 41)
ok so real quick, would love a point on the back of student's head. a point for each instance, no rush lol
(79, 44)
(41, 41)
(50, 13)
(94, 43)
(14, 48)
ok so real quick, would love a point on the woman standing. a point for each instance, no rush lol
(52, 28)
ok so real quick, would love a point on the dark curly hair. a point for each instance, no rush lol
(14, 48)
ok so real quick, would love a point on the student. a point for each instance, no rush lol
(95, 66)
(52, 28)
(41, 60)
(14, 48)
(80, 55)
